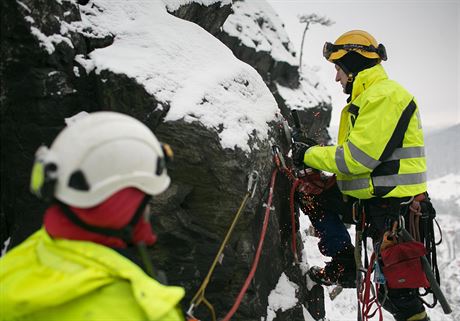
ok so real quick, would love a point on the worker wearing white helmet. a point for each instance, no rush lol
(98, 176)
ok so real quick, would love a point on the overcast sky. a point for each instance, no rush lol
(422, 39)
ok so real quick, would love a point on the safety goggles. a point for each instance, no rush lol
(330, 48)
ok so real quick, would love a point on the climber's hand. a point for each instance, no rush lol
(298, 152)
(299, 137)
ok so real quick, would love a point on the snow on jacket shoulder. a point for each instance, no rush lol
(56, 279)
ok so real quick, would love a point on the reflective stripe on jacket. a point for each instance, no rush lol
(51, 279)
(380, 151)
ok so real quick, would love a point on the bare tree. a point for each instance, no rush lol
(311, 19)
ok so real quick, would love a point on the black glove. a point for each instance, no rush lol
(298, 152)
(299, 137)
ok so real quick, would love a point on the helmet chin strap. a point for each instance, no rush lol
(351, 77)
(349, 88)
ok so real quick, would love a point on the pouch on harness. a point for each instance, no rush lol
(402, 266)
(408, 260)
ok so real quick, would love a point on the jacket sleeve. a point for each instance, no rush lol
(370, 141)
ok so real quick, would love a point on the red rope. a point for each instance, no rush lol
(364, 297)
(296, 183)
(258, 252)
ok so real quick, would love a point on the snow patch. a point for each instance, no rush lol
(310, 93)
(282, 297)
(258, 26)
(76, 71)
(43, 39)
(88, 64)
(48, 42)
(29, 19)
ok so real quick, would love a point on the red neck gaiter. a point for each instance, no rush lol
(113, 213)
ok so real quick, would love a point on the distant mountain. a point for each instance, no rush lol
(443, 152)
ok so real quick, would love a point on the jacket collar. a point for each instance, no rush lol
(366, 78)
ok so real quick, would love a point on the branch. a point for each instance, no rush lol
(314, 18)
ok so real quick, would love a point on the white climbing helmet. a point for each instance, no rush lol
(97, 156)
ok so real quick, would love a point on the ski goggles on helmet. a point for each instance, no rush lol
(330, 48)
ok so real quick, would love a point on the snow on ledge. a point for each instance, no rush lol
(258, 26)
(183, 66)
(282, 297)
(310, 93)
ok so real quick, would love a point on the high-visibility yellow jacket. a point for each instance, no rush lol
(380, 148)
(49, 279)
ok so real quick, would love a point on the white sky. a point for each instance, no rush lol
(422, 39)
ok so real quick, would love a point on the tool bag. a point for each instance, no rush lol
(402, 266)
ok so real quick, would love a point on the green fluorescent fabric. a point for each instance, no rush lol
(380, 151)
(55, 279)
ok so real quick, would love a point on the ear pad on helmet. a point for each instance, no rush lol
(44, 174)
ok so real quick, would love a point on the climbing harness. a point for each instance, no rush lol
(199, 297)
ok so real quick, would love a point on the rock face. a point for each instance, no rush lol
(256, 35)
(38, 91)
(211, 17)
(52, 67)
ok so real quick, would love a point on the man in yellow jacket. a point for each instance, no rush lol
(99, 176)
(379, 162)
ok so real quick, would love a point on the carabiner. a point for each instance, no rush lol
(407, 202)
(276, 150)
(354, 211)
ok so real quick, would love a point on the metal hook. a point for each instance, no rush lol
(190, 310)
(408, 202)
(276, 150)
(401, 222)
(252, 182)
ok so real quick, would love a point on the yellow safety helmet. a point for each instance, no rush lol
(355, 40)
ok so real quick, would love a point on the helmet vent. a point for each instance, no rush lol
(78, 181)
